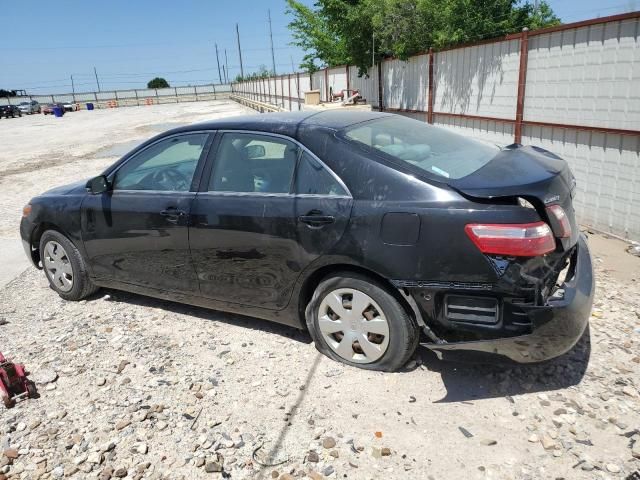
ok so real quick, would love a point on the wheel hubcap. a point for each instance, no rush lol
(58, 266)
(353, 325)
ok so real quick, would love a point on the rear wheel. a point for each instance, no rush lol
(64, 267)
(357, 321)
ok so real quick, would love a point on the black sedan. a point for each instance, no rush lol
(12, 111)
(373, 231)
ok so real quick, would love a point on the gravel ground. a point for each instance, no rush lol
(132, 387)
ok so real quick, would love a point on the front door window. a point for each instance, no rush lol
(167, 165)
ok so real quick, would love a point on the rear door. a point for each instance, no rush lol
(264, 212)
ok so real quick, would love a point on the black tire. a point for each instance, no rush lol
(31, 389)
(8, 402)
(404, 333)
(82, 286)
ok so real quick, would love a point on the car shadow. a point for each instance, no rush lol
(465, 382)
(204, 314)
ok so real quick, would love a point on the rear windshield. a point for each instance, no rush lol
(431, 149)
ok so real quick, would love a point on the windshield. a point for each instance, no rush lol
(432, 149)
(24, 103)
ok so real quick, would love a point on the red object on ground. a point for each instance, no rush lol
(14, 383)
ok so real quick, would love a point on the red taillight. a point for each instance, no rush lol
(562, 221)
(513, 240)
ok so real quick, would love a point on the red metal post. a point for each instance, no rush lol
(326, 84)
(298, 90)
(380, 106)
(430, 98)
(522, 81)
(282, 89)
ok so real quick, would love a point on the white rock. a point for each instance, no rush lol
(95, 457)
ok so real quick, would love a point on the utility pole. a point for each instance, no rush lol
(218, 60)
(273, 58)
(96, 74)
(239, 52)
(73, 88)
(226, 64)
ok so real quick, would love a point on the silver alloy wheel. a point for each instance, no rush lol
(57, 264)
(353, 325)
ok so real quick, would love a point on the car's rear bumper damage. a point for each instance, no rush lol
(478, 322)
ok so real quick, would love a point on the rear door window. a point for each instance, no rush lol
(254, 163)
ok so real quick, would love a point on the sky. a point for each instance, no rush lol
(131, 41)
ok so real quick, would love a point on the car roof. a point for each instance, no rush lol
(286, 123)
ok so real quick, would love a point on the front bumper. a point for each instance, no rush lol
(27, 228)
(556, 326)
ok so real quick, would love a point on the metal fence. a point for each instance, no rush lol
(127, 98)
(573, 89)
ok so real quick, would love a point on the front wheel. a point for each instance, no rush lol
(64, 267)
(358, 321)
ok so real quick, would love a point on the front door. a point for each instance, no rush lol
(137, 232)
(252, 234)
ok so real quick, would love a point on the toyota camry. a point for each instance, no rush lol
(372, 231)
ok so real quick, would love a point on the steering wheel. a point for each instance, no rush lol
(170, 179)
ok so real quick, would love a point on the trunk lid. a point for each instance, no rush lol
(532, 173)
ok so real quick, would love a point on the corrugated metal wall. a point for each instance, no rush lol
(478, 80)
(607, 171)
(318, 83)
(406, 84)
(367, 84)
(586, 76)
(490, 130)
(337, 78)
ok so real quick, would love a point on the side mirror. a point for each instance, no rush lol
(255, 151)
(98, 184)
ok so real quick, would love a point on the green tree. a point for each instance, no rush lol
(263, 72)
(158, 82)
(360, 32)
(7, 93)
